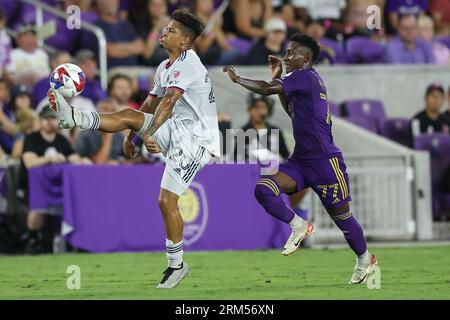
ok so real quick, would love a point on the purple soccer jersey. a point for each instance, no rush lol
(316, 162)
(309, 111)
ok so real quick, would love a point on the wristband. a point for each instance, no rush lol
(136, 139)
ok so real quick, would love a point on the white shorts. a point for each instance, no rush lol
(184, 157)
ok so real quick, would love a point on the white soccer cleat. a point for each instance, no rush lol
(172, 277)
(362, 272)
(64, 111)
(297, 237)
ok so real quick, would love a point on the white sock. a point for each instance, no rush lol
(364, 259)
(297, 222)
(86, 119)
(174, 253)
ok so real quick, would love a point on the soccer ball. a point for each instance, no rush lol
(68, 79)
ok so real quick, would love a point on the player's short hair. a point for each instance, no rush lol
(192, 25)
(308, 42)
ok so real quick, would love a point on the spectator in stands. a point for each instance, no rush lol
(441, 52)
(440, 11)
(44, 147)
(92, 88)
(260, 108)
(271, 44)
(124, 46)
(27, 123)
(20, 101)
(150, 24)
(397, 8)
(446, 113)
(5, 46)
(407, 47)
(316, 29)
(7, 118)
(121, 88)
(178, 4)
(28, 62)
(331, 12)
(431, 120)
(41, 87)
(245, 18)
(98, 146)
(212, 47)
(356, 18)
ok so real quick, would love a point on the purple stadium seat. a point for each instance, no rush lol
(335, 109)
(363, 122)
(444, 40)
(439, 147)
(397, 129)
(370, 108)
(363, 50)
(340, 55)
(241, 45)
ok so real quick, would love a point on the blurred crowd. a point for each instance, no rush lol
(240, 32)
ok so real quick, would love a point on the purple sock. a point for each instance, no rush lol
(304, 214)
(268, 194)
(353, 232)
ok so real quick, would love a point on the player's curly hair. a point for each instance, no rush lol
(194, 27)
(308, 42)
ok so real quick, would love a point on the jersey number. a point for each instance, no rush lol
(211, 96)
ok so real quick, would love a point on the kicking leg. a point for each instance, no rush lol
(354, 236)
(70, 117)
(268, 193)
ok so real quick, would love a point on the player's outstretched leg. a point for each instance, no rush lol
(70, 117)
(268, 193)
(177, 270)
(354, 235)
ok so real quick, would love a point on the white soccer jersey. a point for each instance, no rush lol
(196, 108)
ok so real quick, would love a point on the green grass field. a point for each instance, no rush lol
(406, 273)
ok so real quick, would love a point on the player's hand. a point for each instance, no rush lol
(129, 148)
(232, 73)
(276, 66)
(52, 98)
(151, 144)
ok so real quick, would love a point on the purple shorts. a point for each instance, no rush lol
(328, 178)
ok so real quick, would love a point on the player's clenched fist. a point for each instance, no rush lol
(151, 145)
(129, 148)
(276, 66)
(232, 73)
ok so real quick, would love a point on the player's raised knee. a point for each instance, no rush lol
(266, 187)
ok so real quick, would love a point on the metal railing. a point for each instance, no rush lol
(382, 200)
(40, 7)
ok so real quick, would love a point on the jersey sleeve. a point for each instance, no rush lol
(183, 76)
(157, 90)
(297, 81)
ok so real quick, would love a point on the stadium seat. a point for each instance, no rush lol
(444, 40)
(363, 122)
(340, 55)
(439, 146)
(363, 50)
(398, 130)
(241, 45)
(370, 108)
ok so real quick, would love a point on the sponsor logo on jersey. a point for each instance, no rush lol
(194, 211)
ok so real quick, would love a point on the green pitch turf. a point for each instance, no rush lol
(406, 273)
